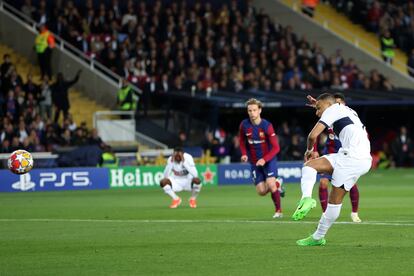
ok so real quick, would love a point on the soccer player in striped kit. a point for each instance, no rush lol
(259, 146)
(332, 145)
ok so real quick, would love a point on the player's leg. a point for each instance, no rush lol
(273, 184)
(323, 192)
(195, 190)
(346, 173)
(354, 196)
(261, 188)
(328, 218)
(167, 185)
(259, 180)
(309, 172)
(272, 188)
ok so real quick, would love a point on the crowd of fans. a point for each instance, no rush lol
(195, 45)
(26, 115)
(182, 46)
(395, 17)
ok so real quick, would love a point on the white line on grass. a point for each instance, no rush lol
(385, 223)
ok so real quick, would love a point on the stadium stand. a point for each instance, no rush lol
(378, 17)
(197, 50)
(209, 54)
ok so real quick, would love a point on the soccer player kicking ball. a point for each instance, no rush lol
(180, 174)
(351, 161)
(332, 145)
(259, 146)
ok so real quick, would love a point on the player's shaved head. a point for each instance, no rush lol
(326, 97)
(253, 101)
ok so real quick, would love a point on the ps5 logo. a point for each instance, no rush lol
(79, 179)
(57, 180)
(24, 184)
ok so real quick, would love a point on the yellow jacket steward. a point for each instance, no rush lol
(109, 160)
(126, 99)
(43, 40)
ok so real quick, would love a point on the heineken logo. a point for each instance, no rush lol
(134, 178)
(150, 176)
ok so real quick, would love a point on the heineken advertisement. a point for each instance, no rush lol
(150, 176)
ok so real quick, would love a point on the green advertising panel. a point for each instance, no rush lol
(150, 176)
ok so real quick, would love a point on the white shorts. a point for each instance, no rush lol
(347, 170)
(180, 183)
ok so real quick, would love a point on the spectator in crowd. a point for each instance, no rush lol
(402, 149)
(60, 97)
(45, 99)
(28, 9)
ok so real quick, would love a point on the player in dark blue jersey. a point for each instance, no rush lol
(332, 145)
(259, 146)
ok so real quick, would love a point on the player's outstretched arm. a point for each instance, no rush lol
(311, 101)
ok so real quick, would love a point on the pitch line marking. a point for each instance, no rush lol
(384, 223)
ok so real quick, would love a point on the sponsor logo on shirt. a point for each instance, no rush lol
(251, 141)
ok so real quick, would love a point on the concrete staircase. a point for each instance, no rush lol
(82, 108)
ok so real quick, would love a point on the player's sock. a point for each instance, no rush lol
(169, 191)
(276, 200)
(323, 197)
(195, 190)
(354, 195)
(307, 181)
(327, 219)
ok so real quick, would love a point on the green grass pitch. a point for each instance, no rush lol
(132, 232)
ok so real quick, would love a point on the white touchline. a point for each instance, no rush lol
(385, 223)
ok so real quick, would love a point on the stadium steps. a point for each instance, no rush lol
(351, 32)
(82, 108)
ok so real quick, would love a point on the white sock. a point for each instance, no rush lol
(195, 190)
(169, 191)
(307, 181)
(327, 219)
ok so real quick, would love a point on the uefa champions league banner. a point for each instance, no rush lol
(55, 180)
(150, 176)
(240, 173)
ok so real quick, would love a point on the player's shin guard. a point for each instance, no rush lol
(354, 195)
(327, 219)
(169, 191)
(323, 197)
(195, 190)
(307, 181)
(276, 201)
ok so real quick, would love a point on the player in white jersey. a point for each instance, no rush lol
(351, 161)
(180, 174)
